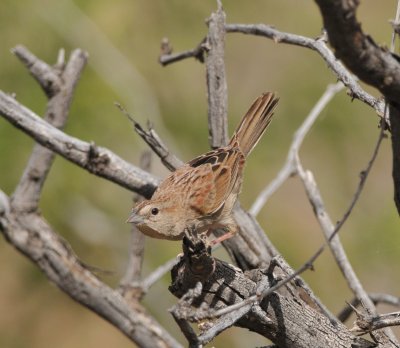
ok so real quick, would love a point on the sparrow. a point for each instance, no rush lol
(200, 195)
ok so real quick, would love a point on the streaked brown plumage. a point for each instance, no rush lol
(202, 192)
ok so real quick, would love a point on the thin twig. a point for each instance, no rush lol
(318, 45)
(167, 57)
(154, 141)
(48, 77)
(95, 159)
(158, 273)
(289, 168)
(330, 231)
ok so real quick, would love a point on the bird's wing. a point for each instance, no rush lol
(222, 170)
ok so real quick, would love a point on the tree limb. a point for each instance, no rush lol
(32, 235)
(374, 65)
(217, 90)
(226, 285)
(59, 85)
(95, 159)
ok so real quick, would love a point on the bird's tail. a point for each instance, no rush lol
(255, 122)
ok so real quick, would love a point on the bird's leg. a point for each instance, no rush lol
(232, 229)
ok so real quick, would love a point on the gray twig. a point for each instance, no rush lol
(290, 167)
(154, 141)
(318, 45)
(48, 77)
(167, 57)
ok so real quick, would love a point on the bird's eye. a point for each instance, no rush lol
(154, 211)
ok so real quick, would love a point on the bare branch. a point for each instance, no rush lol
(317, 45)
(167, 57)
(290, 168)
(31, 235)
(94, 159)
(48, 78)
(394, 117)
(337, 248)
(217, 89)
(27, 193)
(154, 141)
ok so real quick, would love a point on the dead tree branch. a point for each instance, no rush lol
(371, 63)
(226, 285)
(95, 159)
(23, 226)
(58, 84)
(32, 236)
(167, 57)
(216, 80)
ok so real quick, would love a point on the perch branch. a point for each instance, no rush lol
(294, 167)
(227, 285)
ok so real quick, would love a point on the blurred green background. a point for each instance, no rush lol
(123, 40)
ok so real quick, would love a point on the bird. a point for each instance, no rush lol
(201, 194)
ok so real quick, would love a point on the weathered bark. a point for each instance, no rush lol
(286, 317)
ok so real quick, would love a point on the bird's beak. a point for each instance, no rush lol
(135, 218)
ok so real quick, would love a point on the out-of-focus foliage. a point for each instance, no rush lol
(123, 39)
